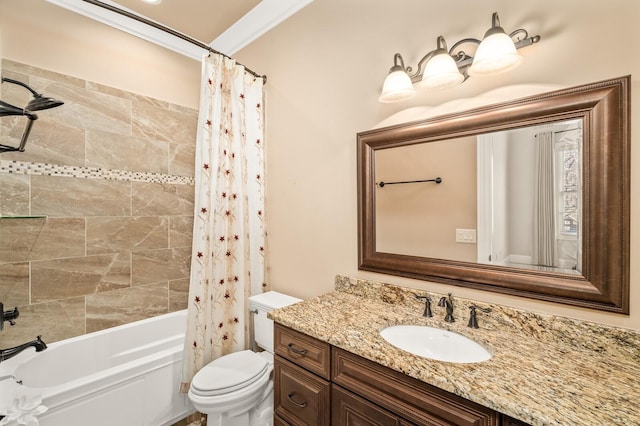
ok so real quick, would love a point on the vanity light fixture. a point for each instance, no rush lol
(442, 68)
(153, 2)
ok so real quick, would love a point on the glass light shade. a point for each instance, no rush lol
(397, 87)
(441, 72)
(496, 54)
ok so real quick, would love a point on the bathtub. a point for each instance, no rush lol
(125, 375)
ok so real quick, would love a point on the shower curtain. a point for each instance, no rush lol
(227, 262)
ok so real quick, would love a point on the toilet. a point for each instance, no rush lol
(237, 389)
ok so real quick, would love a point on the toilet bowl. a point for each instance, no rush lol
(237, 389)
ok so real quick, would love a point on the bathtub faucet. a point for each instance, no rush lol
(9, 316)
(40, 346)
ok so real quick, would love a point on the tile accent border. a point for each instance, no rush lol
(44, 169)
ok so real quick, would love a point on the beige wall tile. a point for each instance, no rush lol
(184, 110)
(163, 124)
(57, 320)
(182, 159)
(180, 231)
(78, 276)
(14, 194)
(49, 142)
(64, 196)
(83, 250)
(124, 306)
(126, 95)
(14, 284)
(117, 234)
(40, 238)
(161, 199)
(178, 294)
(115, 151)
(87, 109)
(9, 66)
(160, 265)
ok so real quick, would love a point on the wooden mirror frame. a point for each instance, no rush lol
(604, 280)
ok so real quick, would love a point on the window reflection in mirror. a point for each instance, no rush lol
(510, 198)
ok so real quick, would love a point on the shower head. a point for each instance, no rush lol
(39, 102)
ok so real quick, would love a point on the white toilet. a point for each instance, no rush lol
(237, 389)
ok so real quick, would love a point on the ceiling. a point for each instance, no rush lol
(203, 20)
(226, 26)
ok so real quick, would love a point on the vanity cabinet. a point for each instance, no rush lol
(302, 388)
(317, 384)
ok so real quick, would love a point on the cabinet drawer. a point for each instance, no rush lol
(303, 350)
(300, 398)
(405, 396)
(348, 409)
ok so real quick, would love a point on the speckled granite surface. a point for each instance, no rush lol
(545, 370)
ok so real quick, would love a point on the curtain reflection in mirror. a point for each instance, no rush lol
(555, 214)
(543, 247)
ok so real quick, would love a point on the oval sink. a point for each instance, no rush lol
(435, 343)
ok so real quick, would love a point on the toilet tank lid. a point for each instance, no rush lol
(271, 300)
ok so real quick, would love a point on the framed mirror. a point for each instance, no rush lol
(528, 197)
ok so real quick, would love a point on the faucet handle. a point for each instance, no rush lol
(473, 318)
(427, 305)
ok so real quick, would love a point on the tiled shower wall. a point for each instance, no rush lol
(97, 212)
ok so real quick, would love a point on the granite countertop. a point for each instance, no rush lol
(545, 370)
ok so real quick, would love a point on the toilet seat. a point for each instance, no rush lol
(230, 373)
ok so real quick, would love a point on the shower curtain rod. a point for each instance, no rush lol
(567, 130)
(169, 31)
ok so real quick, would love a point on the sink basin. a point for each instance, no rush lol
(435, 343)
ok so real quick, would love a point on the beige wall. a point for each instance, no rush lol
(38, 33)
(325, 68)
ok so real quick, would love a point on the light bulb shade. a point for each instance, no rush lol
(397, 87)
(441, 72)
(495, 54)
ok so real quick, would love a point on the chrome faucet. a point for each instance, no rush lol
(448, 303)
(40, 346)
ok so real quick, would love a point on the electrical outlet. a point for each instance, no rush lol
(467, 236)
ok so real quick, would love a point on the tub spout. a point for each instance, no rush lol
(11, 352)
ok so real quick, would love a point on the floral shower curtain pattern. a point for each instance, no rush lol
(227, 264)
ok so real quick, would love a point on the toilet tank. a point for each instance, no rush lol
(262, 303)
